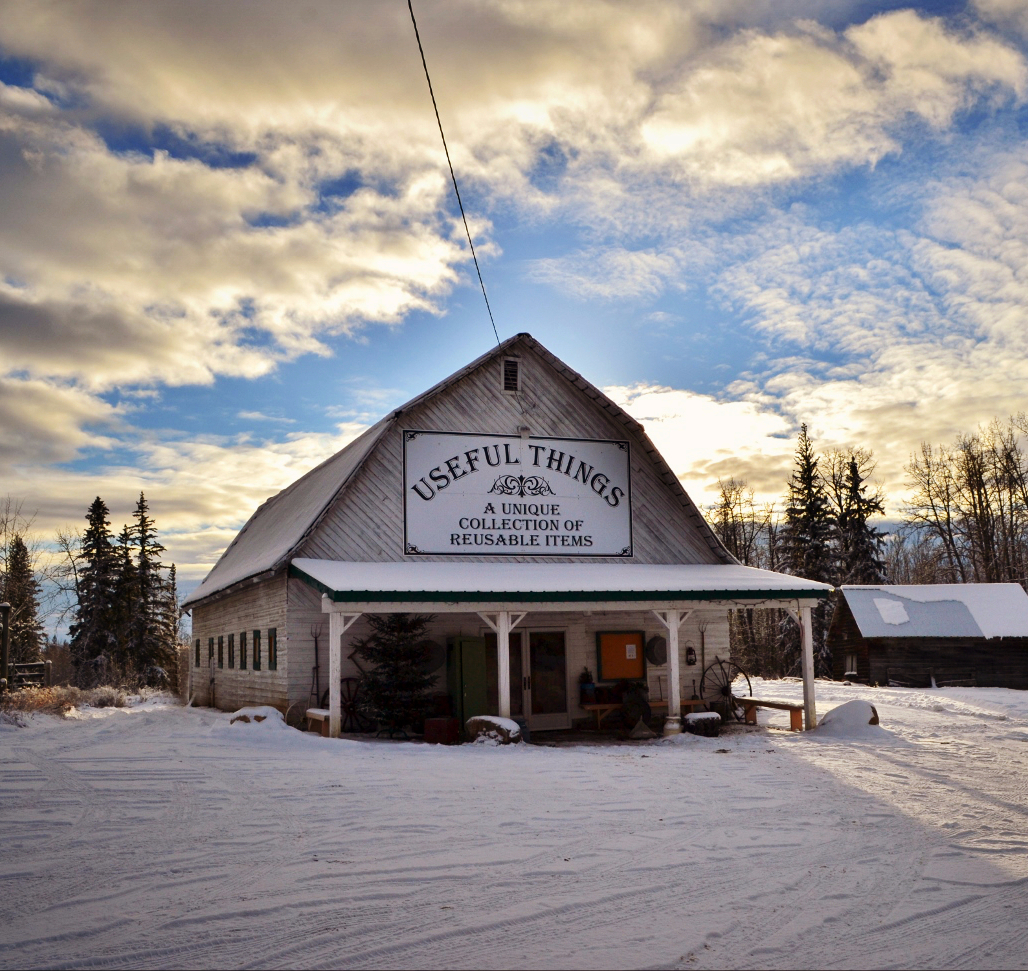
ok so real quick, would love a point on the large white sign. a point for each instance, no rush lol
(467, 493)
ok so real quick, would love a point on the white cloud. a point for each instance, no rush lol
(886, 338)
(704, 439)
(179, 269)
(260, 416)
(1009, 14)
(610, 273)
(201, 492)
(43, 422)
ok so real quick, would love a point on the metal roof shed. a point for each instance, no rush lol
(944, 633)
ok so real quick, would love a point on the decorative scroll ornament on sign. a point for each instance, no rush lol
(522, 485)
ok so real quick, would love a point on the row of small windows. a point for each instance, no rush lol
(255, 654)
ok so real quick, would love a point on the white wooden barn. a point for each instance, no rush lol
(526, 512)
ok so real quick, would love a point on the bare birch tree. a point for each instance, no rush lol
(968, 516)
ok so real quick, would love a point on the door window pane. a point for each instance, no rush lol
(548, 672)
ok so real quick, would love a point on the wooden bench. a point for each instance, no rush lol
(319, 717)
(750, 706)
(603, 710)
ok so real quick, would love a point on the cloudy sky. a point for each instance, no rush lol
(228, 241)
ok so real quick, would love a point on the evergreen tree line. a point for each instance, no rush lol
(126, 612)
(825, 533)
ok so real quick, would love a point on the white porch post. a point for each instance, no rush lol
(335, 673)
(503, 625)
(672, 620)
(673, 724)
(503, 661)
(807, 650)
(338, 624)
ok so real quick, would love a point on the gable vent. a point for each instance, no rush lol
(511, 375)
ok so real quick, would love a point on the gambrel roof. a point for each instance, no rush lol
(273, 534)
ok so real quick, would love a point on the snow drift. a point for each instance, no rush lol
(854, 719)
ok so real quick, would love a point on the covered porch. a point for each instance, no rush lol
(503, 595)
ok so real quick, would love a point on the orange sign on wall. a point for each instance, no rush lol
(619, 656)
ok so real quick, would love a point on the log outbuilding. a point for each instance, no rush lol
(523, 509)
(932, 635)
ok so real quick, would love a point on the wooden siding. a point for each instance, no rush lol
(844, 638)
(995, 663)
(304, 616)
(366, 522)
(916, 661)
(261, 606)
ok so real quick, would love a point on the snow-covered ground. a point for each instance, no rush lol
(160, 836)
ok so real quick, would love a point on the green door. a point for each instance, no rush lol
(466, 677)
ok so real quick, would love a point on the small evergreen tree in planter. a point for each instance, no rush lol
(395, 692)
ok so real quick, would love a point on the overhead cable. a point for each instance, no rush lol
(453, 177)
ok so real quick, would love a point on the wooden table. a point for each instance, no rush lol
(603, 710)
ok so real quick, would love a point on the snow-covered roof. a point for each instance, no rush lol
(940, 610)
(425, 582)
(279, 526)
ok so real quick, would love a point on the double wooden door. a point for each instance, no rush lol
(538, 678)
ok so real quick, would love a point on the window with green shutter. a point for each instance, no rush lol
(272, 649)
(242, 650)
(231, 650)
(256, 650)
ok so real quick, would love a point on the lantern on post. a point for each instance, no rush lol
(690, 654)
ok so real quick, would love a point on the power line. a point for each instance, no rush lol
(453, 178)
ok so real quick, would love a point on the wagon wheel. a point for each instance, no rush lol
(352, 719)
(722, 683)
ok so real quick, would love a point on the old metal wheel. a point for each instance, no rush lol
(722, 683)
(352, 719)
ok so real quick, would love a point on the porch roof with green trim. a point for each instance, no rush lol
(544, 583)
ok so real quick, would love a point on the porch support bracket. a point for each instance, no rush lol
(339, 623)
(672, 620)
(503, 622)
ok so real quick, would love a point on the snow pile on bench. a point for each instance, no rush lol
(263, 716)
(854, 719)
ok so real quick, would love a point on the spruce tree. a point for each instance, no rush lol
(808, 539)
(94, 631)
(860, 544)
(21, 590)
(395, 692)
(150, 651)
(168, 617)
(808, 531)
(125, 598)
